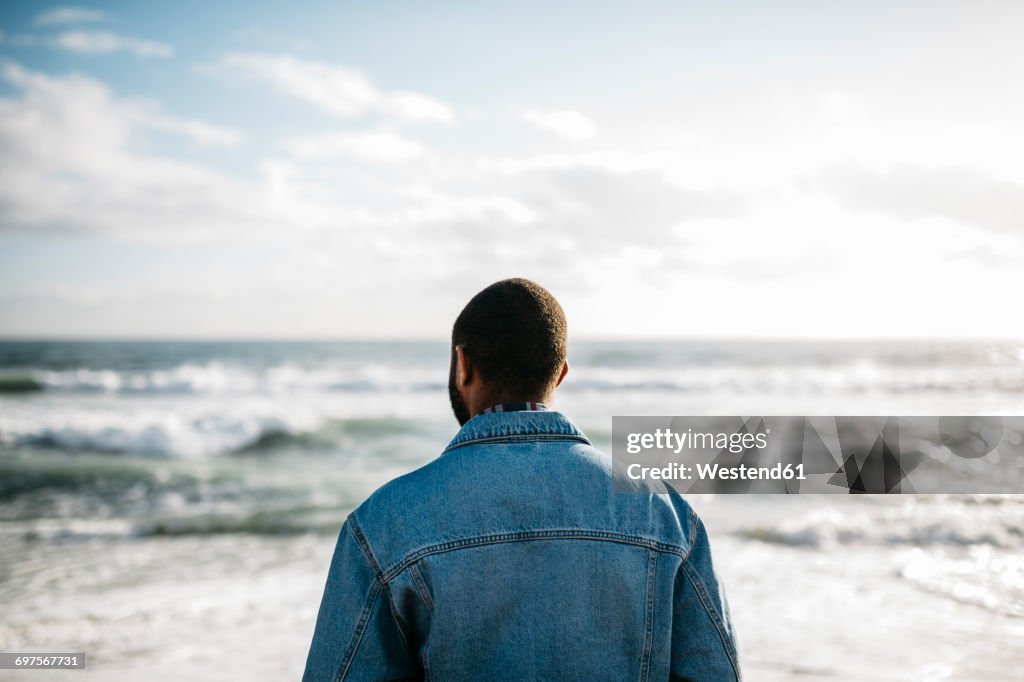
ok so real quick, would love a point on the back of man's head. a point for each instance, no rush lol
(514, 333)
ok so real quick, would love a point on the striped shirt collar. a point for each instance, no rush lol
(516, 407)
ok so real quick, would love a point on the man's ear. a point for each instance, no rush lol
(565, 370)
(463, 367)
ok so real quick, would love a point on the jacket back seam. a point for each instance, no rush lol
(526, 536)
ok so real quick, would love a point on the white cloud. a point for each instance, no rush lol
(337, 90)
(77, 161)
(105, 42)
(912, 192)
(689, 218)
(437, 208)
(194, 129)
(70, 15)
(612, 161)
(570, 124)
(373, 146)
(45, 92)
(71, 165)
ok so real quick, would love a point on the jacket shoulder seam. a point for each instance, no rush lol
(364, 545)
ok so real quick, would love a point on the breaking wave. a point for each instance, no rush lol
(173, 435)
(217, 378)
(996, 521)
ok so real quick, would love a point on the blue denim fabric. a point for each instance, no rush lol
(510, 558)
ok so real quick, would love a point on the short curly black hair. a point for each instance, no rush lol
(514, 333)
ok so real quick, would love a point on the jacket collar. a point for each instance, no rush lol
(515, 426)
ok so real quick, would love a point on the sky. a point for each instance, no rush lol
(361, 169)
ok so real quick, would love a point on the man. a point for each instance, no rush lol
(509, 557)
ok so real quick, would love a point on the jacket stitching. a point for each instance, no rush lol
(364, 544)
(421, 586)
(520, 536)
(701, 590)
(652, 568)
(357, 636)
(398, 618)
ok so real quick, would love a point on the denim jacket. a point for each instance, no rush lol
(510, 558)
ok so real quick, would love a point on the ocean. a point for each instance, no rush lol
(169, 508)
